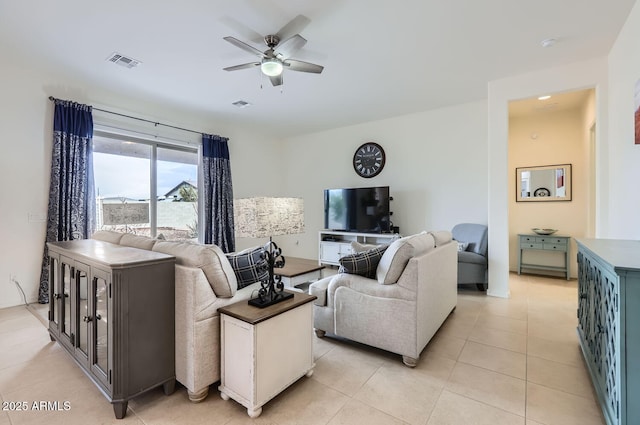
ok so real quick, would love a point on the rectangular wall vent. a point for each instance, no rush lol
(122, 60)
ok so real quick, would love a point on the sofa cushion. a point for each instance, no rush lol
(137, 241)
(441, 237)
(209, 258)
(107, 236)
(361, 247)
(362, 263)
(249, 266)
(396, 257)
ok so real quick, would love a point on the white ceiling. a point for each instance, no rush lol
(382, 58)
(566, 101)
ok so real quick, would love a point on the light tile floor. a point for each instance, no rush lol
(494, 361)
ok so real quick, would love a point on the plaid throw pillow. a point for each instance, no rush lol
(362, 263)
(249, 266)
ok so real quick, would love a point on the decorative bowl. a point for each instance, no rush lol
(544, 231)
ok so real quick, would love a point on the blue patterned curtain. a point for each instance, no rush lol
(71, 198)
(218, 193)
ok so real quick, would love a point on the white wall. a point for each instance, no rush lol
(26, 117)
(436, 168)
(623, 221)
(581, 75)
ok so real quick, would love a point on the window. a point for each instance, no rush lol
(145, 187)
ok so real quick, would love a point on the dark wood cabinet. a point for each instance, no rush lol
(112, 308)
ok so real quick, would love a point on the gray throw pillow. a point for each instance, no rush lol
(362, 263)
(249, 266)
(462, 246)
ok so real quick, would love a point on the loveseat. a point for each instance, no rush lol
(204, 282)
(402, 303)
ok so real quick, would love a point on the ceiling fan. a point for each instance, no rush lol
(277, 57)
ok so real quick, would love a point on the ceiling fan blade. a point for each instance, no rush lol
(296, 65)
(242, 30)
(244, 46)
(293, 27)
(287, 48)
(243, 66)
(276, 80)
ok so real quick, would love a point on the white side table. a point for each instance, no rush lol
(264, 350)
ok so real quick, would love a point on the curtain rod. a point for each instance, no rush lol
(51, 98)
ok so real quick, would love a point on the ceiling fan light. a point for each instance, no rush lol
(271, 67)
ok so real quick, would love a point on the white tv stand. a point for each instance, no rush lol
(335, 245)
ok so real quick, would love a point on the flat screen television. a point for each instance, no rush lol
(364, 210)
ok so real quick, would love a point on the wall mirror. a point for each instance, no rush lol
(545, 183)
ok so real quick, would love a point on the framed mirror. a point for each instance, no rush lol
(543, 184)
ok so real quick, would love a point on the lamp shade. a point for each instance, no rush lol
(271, 67)
(264, 217)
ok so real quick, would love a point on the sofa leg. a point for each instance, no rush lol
(409, 361)
(481, 286)
(198, 396)
(320, 333)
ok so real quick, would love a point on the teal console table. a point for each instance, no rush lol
(545, 243)
(609, 324)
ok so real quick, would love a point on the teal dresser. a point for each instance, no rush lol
(609, 324)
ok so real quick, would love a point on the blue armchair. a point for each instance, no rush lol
(472, 261)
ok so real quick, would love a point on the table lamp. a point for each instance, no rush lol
(261, 217)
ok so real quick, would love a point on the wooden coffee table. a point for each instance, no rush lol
(297, 271)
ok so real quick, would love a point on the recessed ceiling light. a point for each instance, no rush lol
(241, 104)
(548, 42)
(544, 97)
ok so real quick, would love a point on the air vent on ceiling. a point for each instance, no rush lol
(241, 104)
(122, 60)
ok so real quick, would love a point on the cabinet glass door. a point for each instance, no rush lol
(54, 292)
(84, 315)
(65, 294)
(101, 361)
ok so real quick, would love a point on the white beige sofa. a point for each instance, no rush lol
(204, 282)
(400, 310)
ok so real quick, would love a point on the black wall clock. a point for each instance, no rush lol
(369, 160)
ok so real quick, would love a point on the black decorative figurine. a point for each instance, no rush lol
(271, 289)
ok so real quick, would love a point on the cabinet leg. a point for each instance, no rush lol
(254, 413)
(120, 409)
(169, 387)
(52, 338)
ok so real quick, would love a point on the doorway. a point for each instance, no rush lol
(544, 131)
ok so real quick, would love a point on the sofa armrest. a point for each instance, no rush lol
(365, 286)
(197, 324)
(319, 289)
(193, 295)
